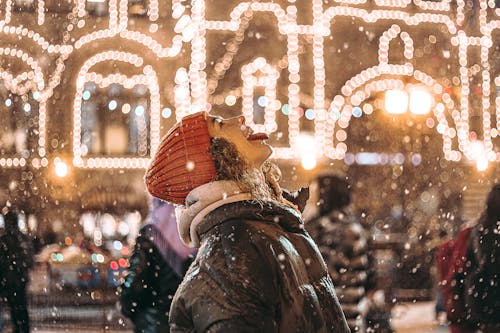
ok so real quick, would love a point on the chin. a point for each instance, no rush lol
(261, 151)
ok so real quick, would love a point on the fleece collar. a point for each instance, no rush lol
(204, 210)
(201, 201)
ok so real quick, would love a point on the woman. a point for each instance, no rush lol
(257, 269)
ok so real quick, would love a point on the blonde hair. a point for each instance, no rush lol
(230, 165)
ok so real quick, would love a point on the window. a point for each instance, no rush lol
(97, 7)
(18, 122)
(137, 7)
(25, 5)
(115, 121)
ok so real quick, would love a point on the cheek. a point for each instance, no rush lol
(213, 131)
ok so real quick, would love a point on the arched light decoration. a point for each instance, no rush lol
(259, 73)
(181, 94)
(368, 82)
(118, 26)
(148, 79)
(387, 37)
(34, 79)
(287, 24)
(153, 11)
(22, 84)
(393, 3)
(197, 77)
(194, 92)
(443, 5)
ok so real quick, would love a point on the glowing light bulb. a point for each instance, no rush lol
(420, 101)
(482, 163)
(308, 162)
(61, 169)
(396, 101)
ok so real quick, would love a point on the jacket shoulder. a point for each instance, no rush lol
(231, 276)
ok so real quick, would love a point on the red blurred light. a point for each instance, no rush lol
(123, 262)
(300, 112)
(125, 251)
(113, 265)
(429, 122)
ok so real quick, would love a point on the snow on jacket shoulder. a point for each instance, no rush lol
(257, 270)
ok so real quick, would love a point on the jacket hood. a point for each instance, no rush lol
(219, 201)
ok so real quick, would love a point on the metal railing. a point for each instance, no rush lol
(73, 310)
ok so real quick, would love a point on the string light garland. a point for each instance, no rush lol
(148, 79)
(268, 80)
(192, 88)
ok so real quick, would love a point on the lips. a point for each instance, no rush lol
(258, 136)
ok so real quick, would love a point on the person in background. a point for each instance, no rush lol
(257, 269)
(157, 266)
(2, 228)
(482, 281)
(344, 244)
(16, 260)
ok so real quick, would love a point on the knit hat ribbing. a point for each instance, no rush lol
(183, 160)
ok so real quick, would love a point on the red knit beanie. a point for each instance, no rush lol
(183, 160)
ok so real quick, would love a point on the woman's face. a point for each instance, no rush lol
(251, 146)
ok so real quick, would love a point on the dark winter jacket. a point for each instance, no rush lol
(343, 242)
(16, 259)
(257, 270)
(151, 282)
(482, 281)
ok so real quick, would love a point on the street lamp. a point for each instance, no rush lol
(477, 153)
(482, 163)
(307, 151)
(396, 101)
(417, 100)
(420, 101)
(61, 168)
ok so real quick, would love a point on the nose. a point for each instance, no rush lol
(240, 120)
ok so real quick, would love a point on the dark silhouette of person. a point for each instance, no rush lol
(16, 259)
(157, 266)
(344, 244)
(482, 286)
